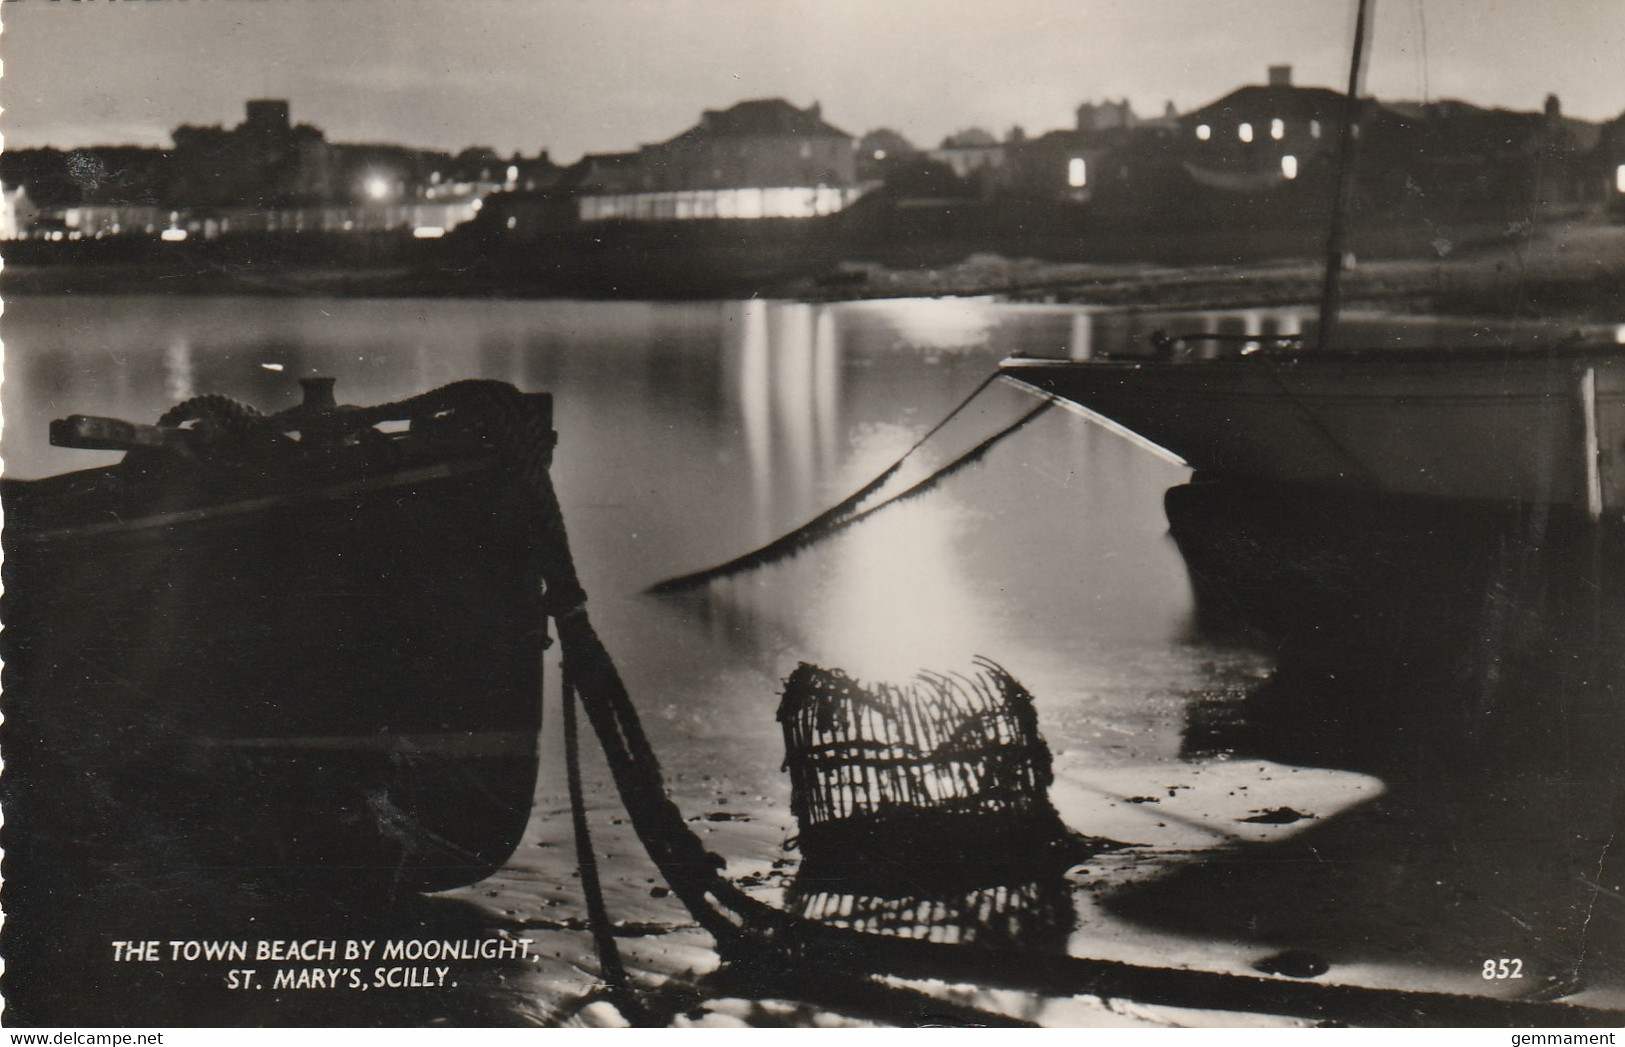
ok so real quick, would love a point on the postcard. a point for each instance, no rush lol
(813, 514)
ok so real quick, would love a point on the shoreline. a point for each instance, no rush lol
(1574, 273)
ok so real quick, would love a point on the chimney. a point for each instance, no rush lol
(1280, 76)
(817, 111)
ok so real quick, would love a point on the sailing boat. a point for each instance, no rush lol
(1529, 426)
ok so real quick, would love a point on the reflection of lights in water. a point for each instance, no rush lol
(1252, 325)
(173, 236)
(428, 232)
(941, 323)
(1619, 334)
(789, 388)
(826, 387)
(178, 375)
(272, 367)
(792, 362)
(898, 601)
(1083, 336)
(755, 409)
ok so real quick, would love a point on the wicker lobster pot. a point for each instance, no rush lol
(943, 768)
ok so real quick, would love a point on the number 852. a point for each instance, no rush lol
(1499, 970)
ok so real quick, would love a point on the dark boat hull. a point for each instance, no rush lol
(330, 667)
(1298, 562)
(1468, 425)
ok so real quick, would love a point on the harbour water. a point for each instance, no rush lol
(693, 432)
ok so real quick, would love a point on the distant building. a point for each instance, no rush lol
(264, 161)
(1261, 136)
(1063, 164)
(1168, 121)
(17, 212)
(971, 154)
(1111, 148)
(880, 150)
(1448, 156)
(1106, 116)
(759, 159)
(266, 175)
(1609, 165)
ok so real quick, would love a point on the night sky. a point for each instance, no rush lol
(575, 76)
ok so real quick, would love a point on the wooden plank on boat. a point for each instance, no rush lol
(90, 433)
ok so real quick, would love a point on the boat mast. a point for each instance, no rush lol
(1337, 241)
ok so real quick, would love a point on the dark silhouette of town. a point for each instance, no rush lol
(764, 191)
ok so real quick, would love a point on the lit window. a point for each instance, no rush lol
(1289, 166)
(377, 188)
(1277, 129)
(880, 154)
(513, 173)
(1077, 173)
(1245, 131)
(1619, 178)
(1203, 132)
(1314, 129)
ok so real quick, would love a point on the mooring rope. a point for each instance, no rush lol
(841, 516)
(610, 967)
(222, 410)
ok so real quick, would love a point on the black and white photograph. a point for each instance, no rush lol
(857, 514)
